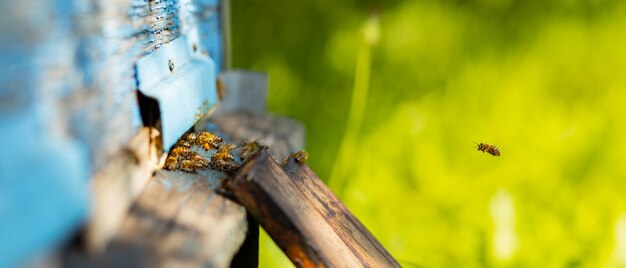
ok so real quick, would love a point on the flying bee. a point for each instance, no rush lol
(249, 149)
(208, 140)
(187, 166)
(223, 153)
(171, 163)
(491, 149)
(180, 151)
(198, 160)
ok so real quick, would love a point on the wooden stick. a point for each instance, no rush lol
(302, 215)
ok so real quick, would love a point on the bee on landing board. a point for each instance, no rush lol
(171, 163)
(208, 140)
(198, 160)
(223, 159)
(180, 151)
(188, 166)
(183, 143)
(249, 150)
(226, 166)
(190, 137)
(301, 156)
(490, 149)
(223, 153)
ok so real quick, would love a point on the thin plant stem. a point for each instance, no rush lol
(343, 163)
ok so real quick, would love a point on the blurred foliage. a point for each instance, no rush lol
(542, 80)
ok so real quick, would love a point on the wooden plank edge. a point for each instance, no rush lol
(334, 238)
(116, 186)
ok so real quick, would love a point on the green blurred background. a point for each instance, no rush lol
(542, 80)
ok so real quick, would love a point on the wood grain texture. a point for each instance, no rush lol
(307, 221)
(177, 221)
(173, 218)
(184, 222)
(117, 185)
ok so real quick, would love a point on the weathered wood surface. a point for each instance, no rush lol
(178, 221)
(283, 135)
(184, 223)
(248, 255)
(176, 218)
(302, 215)
(117, 185)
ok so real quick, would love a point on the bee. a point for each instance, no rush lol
(301, 156)
(208, 140)
(171, 163)
(223, 160)
(183, 143)
(187, 166)
(249, 149)
(226, 166)
(221, 91)
(198, 160)
(223, 153)
(190, 137)
(180, 151)
(491, 149)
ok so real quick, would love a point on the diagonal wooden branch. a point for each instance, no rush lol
(302, 215)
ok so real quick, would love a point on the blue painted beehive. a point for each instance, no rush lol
(72, 73)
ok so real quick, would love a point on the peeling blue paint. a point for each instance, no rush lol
(43, 190)
(182, 84)
(43, 171)
(68, 101)
(200, 22)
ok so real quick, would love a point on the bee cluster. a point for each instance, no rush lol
(183, 158)
(223, 159)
